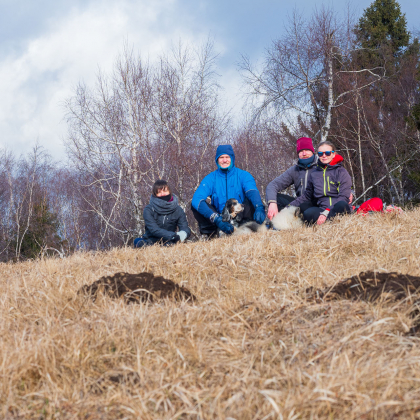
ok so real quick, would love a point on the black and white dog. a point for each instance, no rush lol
(288, 218)
(233, 214)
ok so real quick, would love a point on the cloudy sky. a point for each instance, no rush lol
(48, 46)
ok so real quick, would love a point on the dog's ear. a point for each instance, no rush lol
(298, 213)
(226, 214)
(239, 216)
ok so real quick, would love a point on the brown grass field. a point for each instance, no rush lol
(252, 346)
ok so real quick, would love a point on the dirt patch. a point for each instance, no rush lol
(135, 288)
(370, 287)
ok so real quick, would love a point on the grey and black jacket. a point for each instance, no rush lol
(162, 218)
(296, 175)
(327, 185)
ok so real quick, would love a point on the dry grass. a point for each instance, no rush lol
(251, 347)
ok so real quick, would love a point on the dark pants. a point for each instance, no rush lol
(311, 214)
(142, 242)
(208, 228)
(283, 200)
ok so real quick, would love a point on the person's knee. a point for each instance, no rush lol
(305, 206)
(283, 200)
(311, 215)
(341, 207)
(140, 242)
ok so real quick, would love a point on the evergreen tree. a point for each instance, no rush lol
(43, 231)
(383, 25)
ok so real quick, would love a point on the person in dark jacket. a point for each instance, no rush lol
(225, 183)
(297, 175)
(329, 187)
(162, 217)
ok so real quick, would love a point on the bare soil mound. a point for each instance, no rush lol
(370, 287)
(135, 288)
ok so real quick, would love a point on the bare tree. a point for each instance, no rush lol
(304, 69)
(187, 115)
(110, 140)
(142, 123)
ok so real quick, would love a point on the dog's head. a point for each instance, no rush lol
(298, 213)
(232, 210)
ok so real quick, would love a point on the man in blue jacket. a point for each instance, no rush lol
(225, 183)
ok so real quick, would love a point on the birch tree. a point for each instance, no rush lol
(303, 70)
(187, 115)
(110, 140)
(142, 123)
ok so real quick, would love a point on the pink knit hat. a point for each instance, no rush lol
(304, 143)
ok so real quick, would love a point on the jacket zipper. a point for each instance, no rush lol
(306, 179)
(325, 189)
(227, 198)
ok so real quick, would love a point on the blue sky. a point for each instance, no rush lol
(48, 46)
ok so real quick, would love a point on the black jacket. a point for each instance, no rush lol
(162, 219)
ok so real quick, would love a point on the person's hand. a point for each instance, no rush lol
(259, 214)
(351, 198)
(272, 210)
(182, 235)
(223, 226)
(321, 219)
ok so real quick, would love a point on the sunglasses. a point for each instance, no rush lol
(325, 153)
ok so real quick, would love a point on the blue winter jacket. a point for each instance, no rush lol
(221, 185)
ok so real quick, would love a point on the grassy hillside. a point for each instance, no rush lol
(253, 346)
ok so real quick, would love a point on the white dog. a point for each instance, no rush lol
(288, 218)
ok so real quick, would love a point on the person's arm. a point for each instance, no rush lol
(251, 192)
(285, 180)
(306, 196)
(154, 228)
(250, 189)
(182, 223)
(199, 198)
(344, 191)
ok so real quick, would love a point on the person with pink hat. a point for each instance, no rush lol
(297, 175)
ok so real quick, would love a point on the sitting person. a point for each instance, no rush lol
(162, 216)
(329, 187)
(225, 183)
(296, 175)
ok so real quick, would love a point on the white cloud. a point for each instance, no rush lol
(34, 84)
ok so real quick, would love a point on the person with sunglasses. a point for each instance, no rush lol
(297, 175)
(329, 187)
